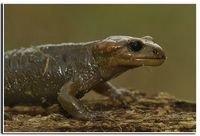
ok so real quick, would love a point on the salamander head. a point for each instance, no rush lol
(128, 52)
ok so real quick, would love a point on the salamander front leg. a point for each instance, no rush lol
(75, 107)
(109, 90)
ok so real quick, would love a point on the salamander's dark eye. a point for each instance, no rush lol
(135, 46)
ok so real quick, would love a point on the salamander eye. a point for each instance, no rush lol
(135, 46)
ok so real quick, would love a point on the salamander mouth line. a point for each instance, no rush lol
(141, 59)
(149, 61)
(160, 58)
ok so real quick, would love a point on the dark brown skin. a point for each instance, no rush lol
(63, 73)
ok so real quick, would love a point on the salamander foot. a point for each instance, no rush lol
(119, 94)
(92, 116)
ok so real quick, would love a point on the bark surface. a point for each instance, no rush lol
(161, 112)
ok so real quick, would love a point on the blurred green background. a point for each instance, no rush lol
(173, 27)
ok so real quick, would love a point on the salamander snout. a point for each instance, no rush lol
(160, 53)
(154, 51)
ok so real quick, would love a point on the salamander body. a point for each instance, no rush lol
(64, 72)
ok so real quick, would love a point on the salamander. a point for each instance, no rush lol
(63, 73)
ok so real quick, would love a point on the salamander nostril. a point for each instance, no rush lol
(155, 51)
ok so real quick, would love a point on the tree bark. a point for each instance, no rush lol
(150, 113)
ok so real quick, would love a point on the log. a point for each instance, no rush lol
(160, 112)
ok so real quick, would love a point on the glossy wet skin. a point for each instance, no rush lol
(65, 72)
(125, 52)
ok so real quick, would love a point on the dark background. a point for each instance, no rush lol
(173, 27)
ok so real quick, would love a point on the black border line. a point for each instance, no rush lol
(2, 50)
